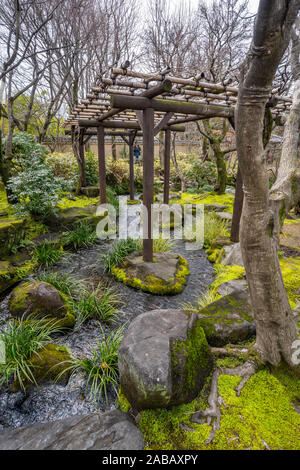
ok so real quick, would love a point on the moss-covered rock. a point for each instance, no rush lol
(228, 320)
(50, 364)
(42, 300)
(166, 275)
(69, 217)
(12, 231)
(7, 275)
(164, 359)
(14, 269)
(91, 191)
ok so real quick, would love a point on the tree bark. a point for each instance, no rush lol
(275, 325)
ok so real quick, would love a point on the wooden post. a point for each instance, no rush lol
(131, 166)
(237, 208)
(82, 158)
(101, 162)
(148, 177)
(167, 155)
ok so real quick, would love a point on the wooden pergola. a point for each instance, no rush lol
(130, 103)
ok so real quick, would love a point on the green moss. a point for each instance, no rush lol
(131, 203)
(263, 412)
(154, 284)
(81, 201)
(49, 365)
(207, 198)
(197, 354)
(290, 268)
(123, 403)
(226, 273)
(215, 254)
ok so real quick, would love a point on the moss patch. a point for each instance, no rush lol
(153, 284)
(49, 364)
(263, 412)
(207, 198)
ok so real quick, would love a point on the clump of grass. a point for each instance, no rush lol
(47, 254)
(213, 227)
(21, 340)
(101, 304)
(65, 283)
(160, 245)
(82, 235)
(120, 249)
(205, 299)
(102, 366)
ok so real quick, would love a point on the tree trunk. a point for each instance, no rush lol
(161, 149)
(113, 148)
(275, 324)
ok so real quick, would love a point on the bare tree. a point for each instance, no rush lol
(275, 325)
(169, 36)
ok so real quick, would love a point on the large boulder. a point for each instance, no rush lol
(113, 430)
(228, 320)
(41, 300)
(164, 359)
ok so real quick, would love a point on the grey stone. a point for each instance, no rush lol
(68, 218)
(215, 207)
(164, 267)
(91, 191)
(224, 215)
(113, 430)
(228, 287)
(233, 255)
(42, 300)
(229, 319)
(164, 359)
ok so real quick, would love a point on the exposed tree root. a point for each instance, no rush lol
(212, 415)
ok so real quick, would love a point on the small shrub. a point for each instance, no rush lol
(47, 254)
(101, 304)
(120, 249)
(213, 227)
(82, 235)
(65, 283)
(35, 190)
(21, 340)
(102, 367)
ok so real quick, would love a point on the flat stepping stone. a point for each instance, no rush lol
(113, 430)
(167, 274)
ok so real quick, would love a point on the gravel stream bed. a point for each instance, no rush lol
(52, 402)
